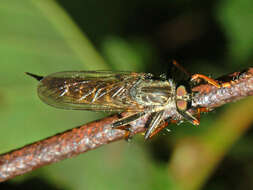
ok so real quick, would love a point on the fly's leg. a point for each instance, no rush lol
(123, 124)
(207, 79)
(128, 135)
(211, 81)
(126, 120)
(181, 68)
(156, 119)
(160, 127)
(200, 76)
(199, 111)
(188, 116)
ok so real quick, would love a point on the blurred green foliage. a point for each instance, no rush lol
(235, 18)
(45, 36)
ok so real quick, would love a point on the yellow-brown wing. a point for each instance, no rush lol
(90, 90)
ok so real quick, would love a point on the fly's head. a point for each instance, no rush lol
(183, 100)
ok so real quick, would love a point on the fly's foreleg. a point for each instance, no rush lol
(207, 79)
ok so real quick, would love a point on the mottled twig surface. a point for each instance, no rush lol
(95, 134)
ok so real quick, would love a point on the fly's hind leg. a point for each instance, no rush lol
(128, 135)
(124, 122)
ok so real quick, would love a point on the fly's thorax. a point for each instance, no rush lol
(150, 92)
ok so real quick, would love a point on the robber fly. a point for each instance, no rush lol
(138, 93)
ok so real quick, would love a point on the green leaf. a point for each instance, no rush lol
(125, 55)
(37, 37)
(236, 18)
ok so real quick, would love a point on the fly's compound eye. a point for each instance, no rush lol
(182, 98)
(183, 103)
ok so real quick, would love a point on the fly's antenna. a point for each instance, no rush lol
(37, 77)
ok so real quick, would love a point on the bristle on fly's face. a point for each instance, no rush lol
(37, 77)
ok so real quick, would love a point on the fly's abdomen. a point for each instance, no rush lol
(58, 92)
(88, 91)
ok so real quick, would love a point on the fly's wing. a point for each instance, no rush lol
(90, 90)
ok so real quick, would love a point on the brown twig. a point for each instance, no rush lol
(95, 134)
